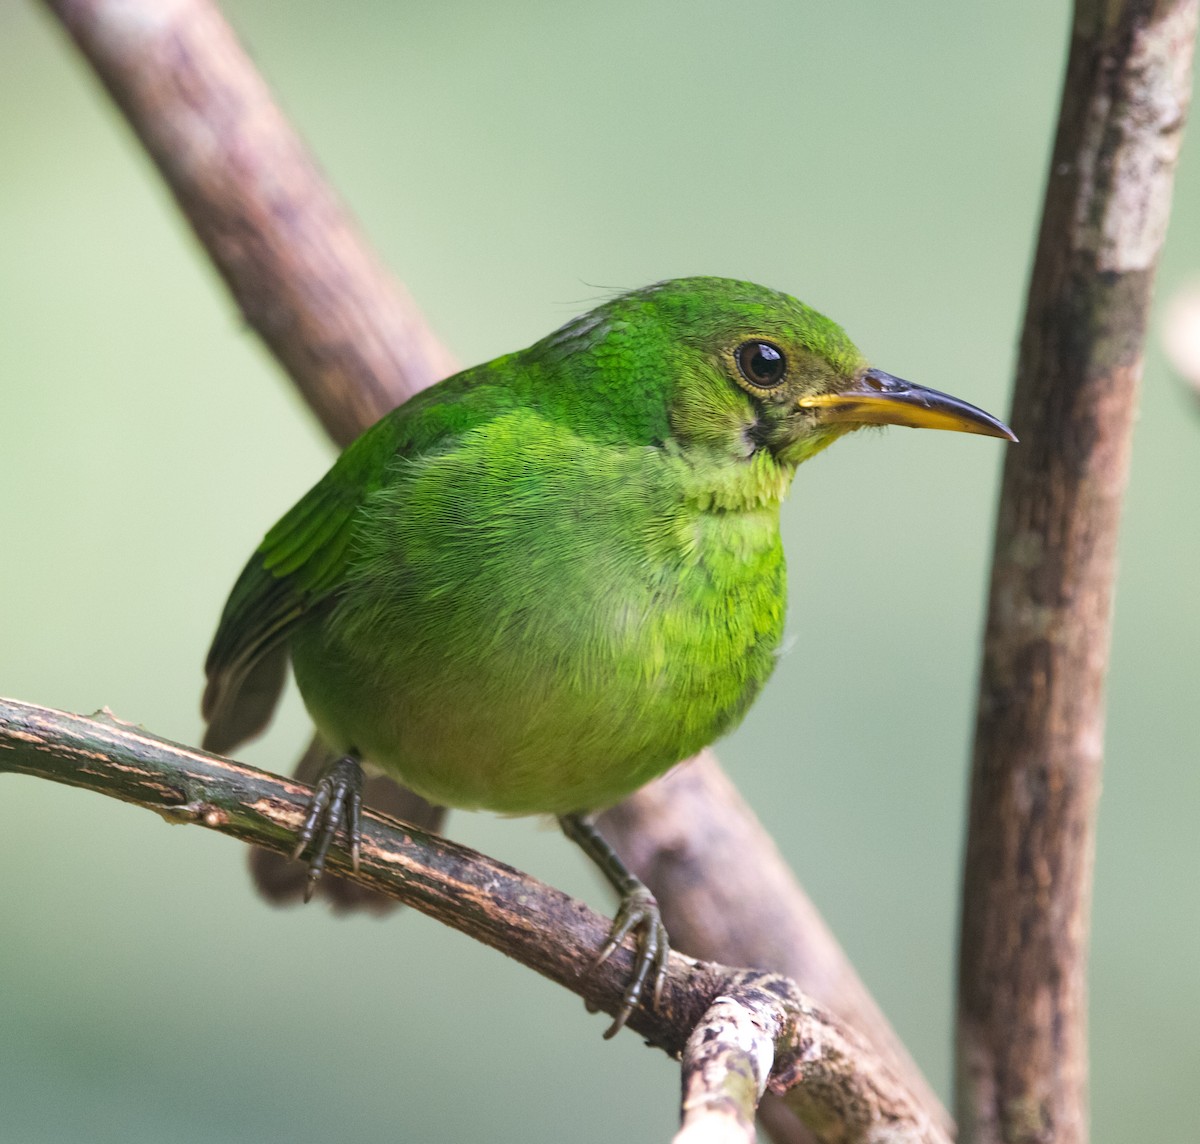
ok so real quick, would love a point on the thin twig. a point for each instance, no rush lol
(1040, 728)
(727, 1062)
(761, 1032)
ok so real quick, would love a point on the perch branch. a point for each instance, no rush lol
(1040, 725)
(753, 1029)
(355, 345)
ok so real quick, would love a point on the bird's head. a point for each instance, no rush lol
(740, 368)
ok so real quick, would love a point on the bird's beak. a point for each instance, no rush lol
(878, 398)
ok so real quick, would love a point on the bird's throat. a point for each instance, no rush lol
(713, 484)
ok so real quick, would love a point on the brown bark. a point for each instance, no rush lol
(355, 345)
(1022, 1060)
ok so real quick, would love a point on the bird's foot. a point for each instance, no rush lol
(337, 803)
(639, 914)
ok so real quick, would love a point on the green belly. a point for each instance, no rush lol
(547, 642)
(542, 716)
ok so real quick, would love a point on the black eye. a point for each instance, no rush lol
(762, 364)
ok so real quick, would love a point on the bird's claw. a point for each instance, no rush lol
(638, 913)
(337, 802)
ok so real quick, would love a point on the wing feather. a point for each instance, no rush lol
(302, 561)
(298, 567)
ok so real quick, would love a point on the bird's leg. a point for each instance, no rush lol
(638, 912)
(337, 802)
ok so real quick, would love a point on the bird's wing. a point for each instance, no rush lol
(299, 565)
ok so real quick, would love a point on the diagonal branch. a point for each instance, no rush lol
(346, 332)
(751, 1029)
(355, 345)
(1040, 726)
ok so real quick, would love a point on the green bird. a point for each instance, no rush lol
(542, 582)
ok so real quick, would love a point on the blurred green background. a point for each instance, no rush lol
(882, 161)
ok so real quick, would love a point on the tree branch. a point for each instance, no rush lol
(1040, 723)
(346, 332)
(355, 345)
(739, 1031)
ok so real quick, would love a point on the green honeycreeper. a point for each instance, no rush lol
(544, 581)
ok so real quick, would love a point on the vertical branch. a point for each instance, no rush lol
(1022, 1060)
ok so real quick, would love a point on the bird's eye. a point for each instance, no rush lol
(762, 364)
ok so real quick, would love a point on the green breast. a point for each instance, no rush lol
(536, 623)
